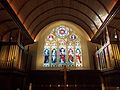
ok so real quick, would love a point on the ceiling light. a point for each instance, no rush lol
(35, 40)
(115, 35)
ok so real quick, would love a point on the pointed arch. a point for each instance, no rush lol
(62, 47)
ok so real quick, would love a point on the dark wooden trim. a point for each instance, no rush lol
(16, 19)
(34, 10)
(62, 7)
(67, 20)
(115, 42)
(61, 14)
(89, 33)
(109, 18)
(114, 28)
(1, 9)
(103, 6)
(10, 1)
(90, 9)
(8, 43)
(6, 20)
(22, 6)
(117, 18)
(10, 30)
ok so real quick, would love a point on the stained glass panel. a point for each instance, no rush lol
(53, 54)
(51, 37)
(46, 57)
(62, 53)
(73, 36)
(70, 54)
(78, 57)
(62, 47)
(62, 31)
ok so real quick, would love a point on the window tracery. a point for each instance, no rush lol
(62, 47)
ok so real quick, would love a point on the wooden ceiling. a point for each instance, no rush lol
(8, 24)
(36, 14)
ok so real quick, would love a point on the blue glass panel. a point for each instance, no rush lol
(54, 56)
(46, 55)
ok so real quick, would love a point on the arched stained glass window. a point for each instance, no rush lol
(62, 47)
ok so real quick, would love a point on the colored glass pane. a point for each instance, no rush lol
(62, 47)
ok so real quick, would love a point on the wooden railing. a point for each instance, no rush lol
(117, 64)
(4, 64)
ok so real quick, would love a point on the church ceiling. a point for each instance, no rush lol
(6, 22)
(36, 14)
(8, 25)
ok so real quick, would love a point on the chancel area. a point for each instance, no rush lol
(59, 45)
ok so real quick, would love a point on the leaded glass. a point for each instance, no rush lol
(53, 54)
(70, 54)
(62, 31)
(62, 47)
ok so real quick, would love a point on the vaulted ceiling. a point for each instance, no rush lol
(36, 14)
(6, 22)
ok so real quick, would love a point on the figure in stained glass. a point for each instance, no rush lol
(54, 56)
(64, 44)
(70, 56)
(62, 55)
(78, 55)
(46, 55)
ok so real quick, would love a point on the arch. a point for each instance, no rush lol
(47, 1)
(103, 6)
(64, 19)
(62, 47)
(57, 7)
(42, 35)
(22, 6)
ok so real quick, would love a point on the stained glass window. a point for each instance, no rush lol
(62, 47)
(53, 54)
(47, 54)
(70, 56)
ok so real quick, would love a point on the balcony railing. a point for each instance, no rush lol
(4, 64)
(117, 64)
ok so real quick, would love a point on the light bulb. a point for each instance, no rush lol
(115, 36)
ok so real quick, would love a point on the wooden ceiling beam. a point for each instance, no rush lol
(114, 28)
(109, 18)
(16, 20)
